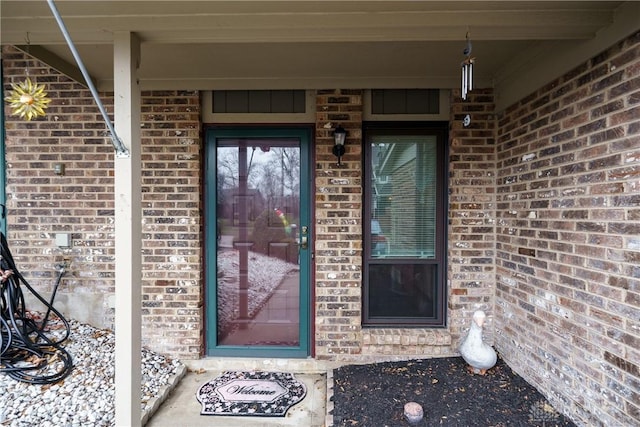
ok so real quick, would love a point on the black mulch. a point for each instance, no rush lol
(374, 396)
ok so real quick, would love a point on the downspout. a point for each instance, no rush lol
(121, 150)
(3, 165)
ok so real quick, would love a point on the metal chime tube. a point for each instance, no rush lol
(464, 81)
(467, 77)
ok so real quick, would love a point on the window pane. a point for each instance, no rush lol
(259, 101)
(258, 195)
(405, 101)
(404, 223)
(402, 291)
(403, 196)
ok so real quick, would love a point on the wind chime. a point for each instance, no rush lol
(467, 69)
(467, 77)
(27, 99)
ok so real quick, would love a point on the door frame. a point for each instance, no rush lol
(211, 135)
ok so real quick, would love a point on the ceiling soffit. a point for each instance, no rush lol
(306, 44)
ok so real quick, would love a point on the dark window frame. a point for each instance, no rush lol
(440, 130)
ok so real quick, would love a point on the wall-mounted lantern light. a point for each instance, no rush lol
(339, 137)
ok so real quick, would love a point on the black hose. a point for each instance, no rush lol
(28, 352)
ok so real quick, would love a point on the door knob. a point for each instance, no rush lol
(304, 238)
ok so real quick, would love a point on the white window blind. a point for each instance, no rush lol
(404, 194)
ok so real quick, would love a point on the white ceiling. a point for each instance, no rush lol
(318, 44)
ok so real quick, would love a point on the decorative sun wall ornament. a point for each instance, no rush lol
(28, 100)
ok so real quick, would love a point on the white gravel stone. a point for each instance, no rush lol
(86, 396)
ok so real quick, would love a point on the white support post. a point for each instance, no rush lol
(128, 232)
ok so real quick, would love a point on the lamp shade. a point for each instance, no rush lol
(339, 135)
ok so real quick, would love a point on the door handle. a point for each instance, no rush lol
(304, 238)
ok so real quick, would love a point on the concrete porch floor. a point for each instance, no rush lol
(182, 409)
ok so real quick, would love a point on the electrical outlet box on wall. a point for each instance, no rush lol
(63, 240)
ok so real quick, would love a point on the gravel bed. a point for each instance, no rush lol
(87, 396)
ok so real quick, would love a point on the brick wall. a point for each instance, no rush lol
(172, 264)
(568, 245)
(472, 212)
(41, 204)
(338, 330)
(338, 233)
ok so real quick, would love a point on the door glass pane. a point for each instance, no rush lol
(258, 274)
(403, 196)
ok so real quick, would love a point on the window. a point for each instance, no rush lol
(259, 101)
(404, 231)
(405, 101)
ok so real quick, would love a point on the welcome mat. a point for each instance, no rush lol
(256, 394)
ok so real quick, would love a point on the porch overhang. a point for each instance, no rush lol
(194, 45)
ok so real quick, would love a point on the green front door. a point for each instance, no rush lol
(258, 241)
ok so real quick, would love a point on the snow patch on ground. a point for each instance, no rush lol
(265, 275)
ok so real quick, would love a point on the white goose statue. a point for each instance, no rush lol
(474, 351)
